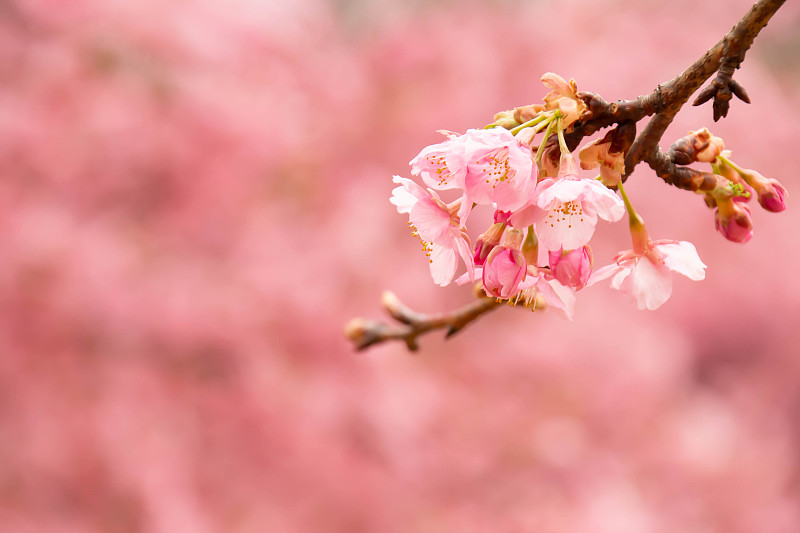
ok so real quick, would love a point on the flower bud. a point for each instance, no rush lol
(771, 194)
(572, 268)
(505, 119)
(530, 248)
(598, 153)
(527, 112)
(505, 267)
(772, 197)
(501, 217)
(733, 220)
(487, 241)
(707, 146)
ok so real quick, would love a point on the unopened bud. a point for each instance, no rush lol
(505, 119)
(505, 267)
(362, 332)
(487, 241)
(707, 146)
(526, 113)
(771, 194)
(572, 268)
(733, 220)
(530, 248)
(391, 303)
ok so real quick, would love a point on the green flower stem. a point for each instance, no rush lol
(731, 164)
(547, 133)
(562, 143)
(634, 219)
(532, 122)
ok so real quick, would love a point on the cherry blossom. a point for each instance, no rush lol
(500, 169)
(491, 166)
(563, 96)
(646, 274)
(569, 207)
(442, 166)
(437, 225)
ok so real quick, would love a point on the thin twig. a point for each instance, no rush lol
(365, 333)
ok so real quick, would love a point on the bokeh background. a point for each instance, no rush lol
(194, 201)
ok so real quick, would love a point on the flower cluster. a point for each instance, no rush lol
(540, 200)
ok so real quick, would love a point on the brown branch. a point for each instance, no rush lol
(663, 104)
(669, 98)
(686, 178)
(677, 91)
(365, 333)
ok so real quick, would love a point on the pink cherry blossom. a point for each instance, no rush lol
(571, 268)
(442, 166)
(647, 275)
(563, 96)
(569, 207)
(491, 166)
(500, 169)
(437, 225)
(505, 269)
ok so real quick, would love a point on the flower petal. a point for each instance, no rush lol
(682, 258)
(564, 226)
(432, 223)
(603, 273)
(406, 195)
(443, 264)
(650, 284)
(558, 296)
(600, 199)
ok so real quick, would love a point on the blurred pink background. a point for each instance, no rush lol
(194, 201)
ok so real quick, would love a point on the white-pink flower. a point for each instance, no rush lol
(491, 166)
(647, 276)
(442, 166)
(438, 227)
(568, 208)
(500, 170)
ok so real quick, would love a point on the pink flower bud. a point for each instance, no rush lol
(771, 194)
(486, 242)
(772, 197)
(505, 268)
(572, 268)
(501, 217)
(733, 220)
